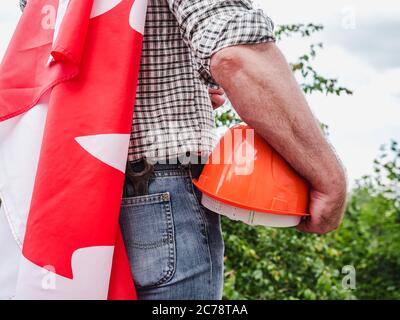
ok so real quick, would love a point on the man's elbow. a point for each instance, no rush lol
(227, 62)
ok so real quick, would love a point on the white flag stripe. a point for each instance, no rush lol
(20, 141)
(10, 254)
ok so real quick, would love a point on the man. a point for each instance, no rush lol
(174, 244)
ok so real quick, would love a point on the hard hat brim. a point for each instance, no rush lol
(243, 206)
(250, 217)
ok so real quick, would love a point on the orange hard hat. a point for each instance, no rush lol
(245, 179)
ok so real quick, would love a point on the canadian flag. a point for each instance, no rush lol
(67, 87)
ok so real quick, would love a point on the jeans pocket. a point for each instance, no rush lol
(148, 230)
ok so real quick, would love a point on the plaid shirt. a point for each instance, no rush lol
(173, 112)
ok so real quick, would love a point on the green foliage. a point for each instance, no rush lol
(304, 30)
(226, 117)
(285, 264)
(313, 81)
(269, 264)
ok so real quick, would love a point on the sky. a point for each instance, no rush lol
(361, 48)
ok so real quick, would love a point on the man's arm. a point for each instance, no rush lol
(259, 83)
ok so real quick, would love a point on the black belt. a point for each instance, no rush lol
(139, 172)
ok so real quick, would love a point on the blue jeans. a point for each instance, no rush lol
(174, 244)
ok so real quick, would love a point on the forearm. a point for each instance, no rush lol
(259, 83)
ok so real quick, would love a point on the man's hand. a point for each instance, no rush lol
(260, 85)
(217, 97)
(326, 213)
